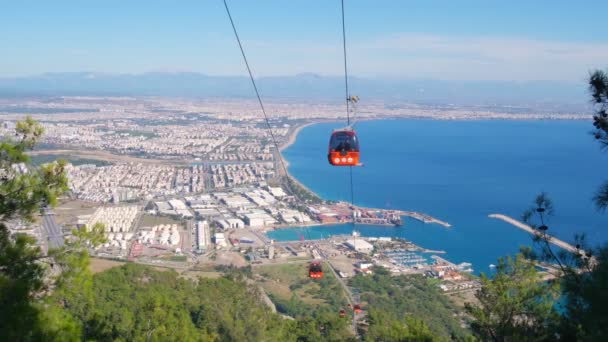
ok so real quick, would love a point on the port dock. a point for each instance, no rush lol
(424, 218)
(377, 217)
(383, 217)
(527, 228)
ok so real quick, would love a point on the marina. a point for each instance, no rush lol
(461, 267)
(407, 258)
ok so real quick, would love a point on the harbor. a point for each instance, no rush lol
(424, 218)
(553, 240)
(410, 259)
(392, 217)
(343, 212)
(378, 217)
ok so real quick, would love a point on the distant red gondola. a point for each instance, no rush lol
(315, 271)
(342, 313)
(357, 308)
(343, 147)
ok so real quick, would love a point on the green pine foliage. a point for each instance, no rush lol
(54, 296)
(316, 321)
(22, 194)
(23, 267)
(385, 327)
(515, 303)
(326, 289)
(407, 306)
(137, 303)
(21, 279)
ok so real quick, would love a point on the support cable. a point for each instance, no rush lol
(345, 68)
(352, 195)
(257, 94)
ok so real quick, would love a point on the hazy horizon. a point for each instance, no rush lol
(440, 39)
(438, 52)
(303, 86)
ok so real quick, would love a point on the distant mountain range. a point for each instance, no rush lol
(302, 86)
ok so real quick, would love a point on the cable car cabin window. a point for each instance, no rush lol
(343, 148)
(315, 271)
(316, 268)
(344, 141)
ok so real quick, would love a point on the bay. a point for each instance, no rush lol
(459, 172)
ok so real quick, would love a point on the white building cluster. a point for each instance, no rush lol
(203, 235)
(164, 234)
(129, 181)
(114, 219)
(129, 134)
(254, 207)
(293, 216)
(190, 179)
(243, 150)
(359, 245)
(261, 197)
(173, 207)
(111, 183)
(229, 175)
(258, 218)
(119, 240)
(220, 240)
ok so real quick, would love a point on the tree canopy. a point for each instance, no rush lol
(407, 306)
(516, 305)
(53, 296)
(22, 264)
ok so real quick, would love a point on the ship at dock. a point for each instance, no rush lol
(378, 217)
(382, 217)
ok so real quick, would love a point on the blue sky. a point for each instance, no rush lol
(447, 39)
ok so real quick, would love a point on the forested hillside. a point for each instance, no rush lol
(409, 306)
(134, 302)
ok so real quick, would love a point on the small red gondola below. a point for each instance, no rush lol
(343, 148)
(357, 308)
(342, 313)
(315, 271)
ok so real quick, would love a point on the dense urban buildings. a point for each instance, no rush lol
(183, 181)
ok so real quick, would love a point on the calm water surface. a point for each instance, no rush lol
(459, 172)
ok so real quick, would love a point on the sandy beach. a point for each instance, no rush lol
(293, 136)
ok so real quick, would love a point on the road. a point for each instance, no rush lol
(51, 229)
(187, 243)
(349, 295)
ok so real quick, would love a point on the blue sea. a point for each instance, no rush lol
(459, 172)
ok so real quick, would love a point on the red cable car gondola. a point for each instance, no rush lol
(343, 147)
(357, 308)
(342, 313)
(315, 271)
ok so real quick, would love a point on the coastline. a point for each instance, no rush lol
(293, 136)
(291, 139)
